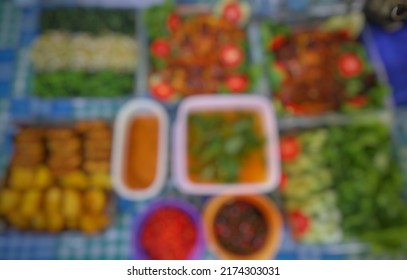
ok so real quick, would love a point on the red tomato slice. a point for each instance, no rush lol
(294, 108)
(232, 12)
(277, 42)
(173, 22)
(231, 56)
(299, 222)
(237, 83)
(289, 148)
(162, 91)
(283, 181)
(160, 47)
(358, 101)
(350, 65)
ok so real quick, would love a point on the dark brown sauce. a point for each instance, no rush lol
(240, 227)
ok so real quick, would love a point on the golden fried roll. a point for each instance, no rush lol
(59, 133)
(30, 203)
(92, 166)
(68, 161)
(33, 148)
(71, 203)
(55, 222)
(97, 145)
(95, 201)
(21, 178)
(76, 179)
(100, 180)
(99, 135)
(29, 135)
(97, 155)
(65, 146)
(24, 161)
(9, 200)
(84, 126)
(59, 172)
(53, 200)
(39, 221)
(43, 177)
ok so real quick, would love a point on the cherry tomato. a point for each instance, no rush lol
(358, 101)
(294, 108)
(299, 222)
(277, 42)
(162, 91)
(173, 22)
(232, 12)
(160, 47)
(231, 56)
(350, 65)
(289, 148)
(237, 83)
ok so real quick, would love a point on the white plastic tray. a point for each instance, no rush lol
(212, 103)
(126, 114)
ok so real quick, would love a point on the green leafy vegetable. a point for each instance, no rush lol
(92, 20)
(74, 84)
(219, 145)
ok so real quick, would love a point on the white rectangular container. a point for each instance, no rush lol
(127, 113)
(211, 103)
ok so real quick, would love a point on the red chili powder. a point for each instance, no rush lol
(168, 234)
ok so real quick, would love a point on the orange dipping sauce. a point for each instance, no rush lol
(140, 168)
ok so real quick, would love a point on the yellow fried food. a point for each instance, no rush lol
(55, 222)
(92, 166)
(72, 223)
(39, 221)
(76, 179)
(65, 146)
(100, 180)
(25, 161)
(99, 135)
(67, 161)
(95, 201)
(43, 177)
(59, 133)
(30, 203)
(92, 223)
(53, 200)
(30, 149)
(71, 203)
(18, 220)
(62, 171)
(97, 155)
(97, 145)
(29, 135)
(21, 178)
(9, 200)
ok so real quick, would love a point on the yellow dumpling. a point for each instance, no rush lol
(95, 201)
(43, 178)
(77, 179)
(9, 200)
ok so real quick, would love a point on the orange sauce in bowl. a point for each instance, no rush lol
(140, 166)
